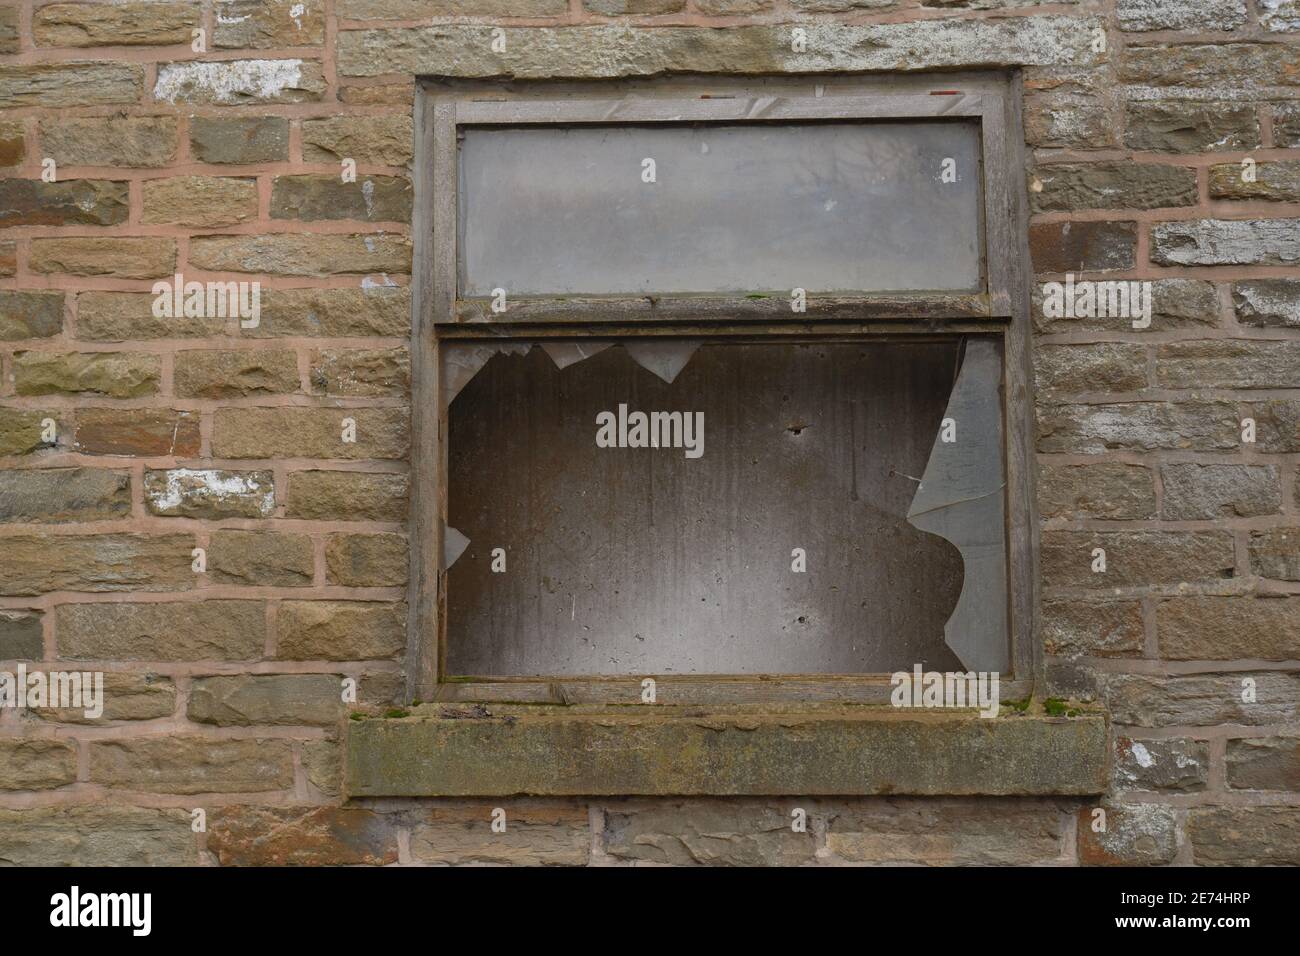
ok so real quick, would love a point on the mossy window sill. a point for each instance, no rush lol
(464, 750)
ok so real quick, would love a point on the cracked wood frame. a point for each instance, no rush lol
(998, 313)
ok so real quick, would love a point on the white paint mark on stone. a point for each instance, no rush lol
(368, 196)
(190, 484)
(1142, 755)
(232, 81)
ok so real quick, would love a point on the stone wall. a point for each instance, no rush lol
(127, 441)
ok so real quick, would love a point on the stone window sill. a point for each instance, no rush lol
(497, 750)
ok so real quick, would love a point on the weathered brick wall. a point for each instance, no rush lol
(191, 432)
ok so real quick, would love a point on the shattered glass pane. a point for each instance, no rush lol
(754, 208)
(622, 558)
(962, 497)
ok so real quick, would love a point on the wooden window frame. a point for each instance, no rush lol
(1002, 310)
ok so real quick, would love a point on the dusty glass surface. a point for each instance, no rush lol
(585, 559)
(753, 208)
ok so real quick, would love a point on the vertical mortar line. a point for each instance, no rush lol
(83, 759)
(299, 771)
(1241, 552)
(1227, 312)
(30, 163)
(166, 385)
(1070, 838)
(70, 314)
(206, 857)
(295, 142)
(265, 181)
(272, 647)
(1245, 408)
(49, 638)
(21, 250)
(1217, 780)
(137, 489)
(182, 253)
(1183, 847)
(821, 831)
(150, 83)
(280, 487)
(1264, 114)
(328, 68)
(26, 14)
(207, 416)
(1158, 483)
(1151, 352)
(1290, 478)
(1142, 247)
(596, 824)
(1147, 606)
(134, 202)
(318, 560)
(184, 682)
(203, 539)
(183, 155)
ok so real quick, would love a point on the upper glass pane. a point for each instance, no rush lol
(825, 207)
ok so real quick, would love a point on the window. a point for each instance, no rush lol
(722, 384)
(722, 207)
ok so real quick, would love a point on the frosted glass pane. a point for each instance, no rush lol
(733, 209)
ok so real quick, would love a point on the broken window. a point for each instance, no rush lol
(723, 508)
(728, 386)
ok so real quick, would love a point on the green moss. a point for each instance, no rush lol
(1055, 707)
(356, 715)
(396, 712)
(1019, 706)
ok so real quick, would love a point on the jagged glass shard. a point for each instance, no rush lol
(961, 498)
(564, 354)
(665, 359)
(453, 545)
(462, 361)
